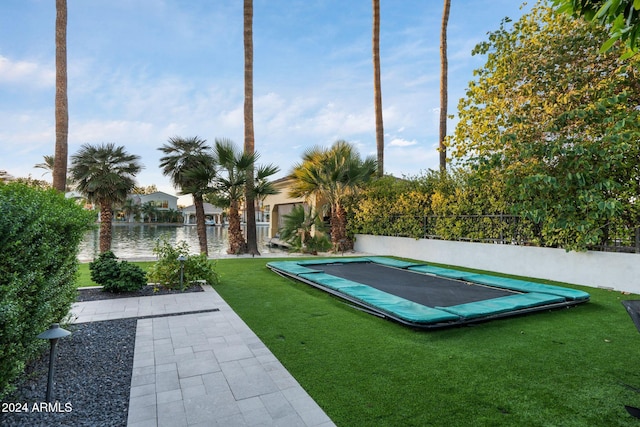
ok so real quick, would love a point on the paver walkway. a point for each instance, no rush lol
(196, 363)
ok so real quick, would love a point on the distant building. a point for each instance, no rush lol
(212, 214)
(281, 204)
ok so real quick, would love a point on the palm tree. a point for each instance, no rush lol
(298, 227)
(249, 138)
(149, 211)
(442, 148)
(230, 185)
(130, 208)
(377, 88)
(190, 165)
(47, 165)
(333, 174)
(61, 104)
(105, 174)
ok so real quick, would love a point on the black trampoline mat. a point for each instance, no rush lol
(421, 288)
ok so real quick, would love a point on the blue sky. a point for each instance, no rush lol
(142, 71)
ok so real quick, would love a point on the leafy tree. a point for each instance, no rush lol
(333, 174)
(621, 16)
(149, 189)
(190, 164)
(558, 124)
(105, 174)
(229, 186)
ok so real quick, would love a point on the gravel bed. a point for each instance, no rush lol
(92, 380)
(95, 294)
(93, 369)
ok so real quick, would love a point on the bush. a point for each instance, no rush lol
(116, 276)
(166, 271)
(297, 231)
(40, 232)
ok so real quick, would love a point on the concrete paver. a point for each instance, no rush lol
(196, 363)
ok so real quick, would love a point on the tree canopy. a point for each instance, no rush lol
(621, 16)
(557, 122)
(333, 174)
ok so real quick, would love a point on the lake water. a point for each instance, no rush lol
(138, 240)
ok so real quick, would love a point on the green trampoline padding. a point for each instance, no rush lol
(392, 262)
(291, 267)
(501, 305)
(328, 261)
(503, 282)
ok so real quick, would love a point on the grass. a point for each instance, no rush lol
(565, 367)
(84, 275)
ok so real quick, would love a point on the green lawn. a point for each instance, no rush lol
(560, 368)
(84, 275)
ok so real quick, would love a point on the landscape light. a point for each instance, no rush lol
(52, 334)
(182, 259)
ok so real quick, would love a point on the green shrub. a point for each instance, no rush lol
(166, 271)
(297, 231)
(40, 232)
(104, 268)
(116, 276)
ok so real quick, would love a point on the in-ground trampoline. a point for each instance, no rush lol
(425, 296)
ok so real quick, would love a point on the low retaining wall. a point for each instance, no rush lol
(596, 269)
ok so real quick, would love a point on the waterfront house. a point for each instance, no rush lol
(281, 204)
(212, 214)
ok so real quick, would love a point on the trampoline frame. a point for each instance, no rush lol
(288, 269)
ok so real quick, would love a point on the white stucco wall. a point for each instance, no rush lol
(596, 269)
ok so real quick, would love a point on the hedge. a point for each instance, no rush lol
(40, 232)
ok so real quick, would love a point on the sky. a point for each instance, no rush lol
(143, 71)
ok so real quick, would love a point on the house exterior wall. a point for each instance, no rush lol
(617, 271)
(274, 201)
(211, 213)
(160, 200)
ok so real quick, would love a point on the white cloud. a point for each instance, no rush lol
(399, 142)
(26, 73)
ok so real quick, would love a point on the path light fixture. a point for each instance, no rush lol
(182, 259)
(633, 308)
(52, 334)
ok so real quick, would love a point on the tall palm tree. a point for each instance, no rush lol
(333, 174)
(191, 166)
(249, 138)
(61, 105)
(105, 174)
(444, 66)
(230, 185)
(377, 87)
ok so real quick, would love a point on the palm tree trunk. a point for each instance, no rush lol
(443, 86)
(201, 227)
(106, 217)
(237, 244)
(249, 137)
(377, 88)
(61, 107)
(339, 228)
